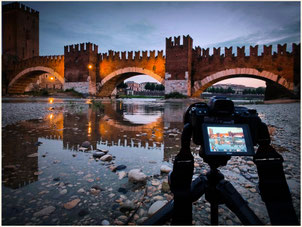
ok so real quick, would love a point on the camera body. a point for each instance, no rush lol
(221, 115)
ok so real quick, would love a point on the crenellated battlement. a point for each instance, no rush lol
(82, 47)
(187, 42)
(228, 52)
(19, 6)
(131, 55)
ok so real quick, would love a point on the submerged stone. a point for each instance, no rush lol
(86, 144)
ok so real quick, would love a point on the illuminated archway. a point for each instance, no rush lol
(27, 76)
(202, 85)
(109, 83)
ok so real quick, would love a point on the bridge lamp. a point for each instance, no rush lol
(89, 66)
(51, 78)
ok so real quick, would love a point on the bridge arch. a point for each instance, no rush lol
(109, 83)
(27, 76)
(201, 85)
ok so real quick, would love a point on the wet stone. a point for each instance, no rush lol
(83, 212)
(121, 167)
(86, 144)
(45, 212)
(98, 154)
(105, 222)
(122, 190)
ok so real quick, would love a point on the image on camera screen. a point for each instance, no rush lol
(226, 139)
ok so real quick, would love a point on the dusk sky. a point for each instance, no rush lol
(126, 26)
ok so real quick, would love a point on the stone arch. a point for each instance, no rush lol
(109, 83)
(201, 85)
(38, 69)
(133, 70)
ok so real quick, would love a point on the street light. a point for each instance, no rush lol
(89, 66)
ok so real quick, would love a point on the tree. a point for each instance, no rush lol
(147, 86)
(152, 87)
(159, 87)
(260, 90)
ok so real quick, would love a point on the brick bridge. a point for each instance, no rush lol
(184, 69)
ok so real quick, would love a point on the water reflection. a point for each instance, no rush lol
(131, 131)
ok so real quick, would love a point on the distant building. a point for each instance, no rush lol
(236, 87)
(133, 86)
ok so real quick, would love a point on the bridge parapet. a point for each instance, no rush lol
(82, 47)
(39, 60)
(201, 53)
(130, 55)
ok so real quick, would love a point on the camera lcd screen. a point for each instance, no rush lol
(227, 140)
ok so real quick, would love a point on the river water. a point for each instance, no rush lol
(44, 166)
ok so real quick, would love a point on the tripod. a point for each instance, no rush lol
(217, 191)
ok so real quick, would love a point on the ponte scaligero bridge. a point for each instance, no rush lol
(184, 69)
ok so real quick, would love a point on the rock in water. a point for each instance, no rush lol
(63, 192)
(45, 212)
(38, 143)
(83, 212)
(104, 151)
(86, 144)
(165, 169)
(121, 167)
(106, 158)
(122, 190)
(135, 175)
(105, 222)
(127, 206)
(155, 207)
(121, 175)
(165, 187)
(71, 204)
(33, 155)
(98, 154)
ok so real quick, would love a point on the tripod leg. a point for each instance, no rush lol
(234, 201)
(214, 213)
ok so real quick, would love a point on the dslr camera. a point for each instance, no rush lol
(223, 129)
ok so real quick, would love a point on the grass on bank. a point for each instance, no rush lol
(175, 95)
(138, 96)
(42, 92)
(73, 92)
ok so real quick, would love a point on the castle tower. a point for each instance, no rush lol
(20, 34)
(178, 65)
(80, 67)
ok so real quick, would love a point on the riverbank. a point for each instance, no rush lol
(281, 101)
(137, 134)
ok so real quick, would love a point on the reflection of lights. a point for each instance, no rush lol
(142, 119)
(88, 101)
(50, 100)
(89, 128)
(51, 116)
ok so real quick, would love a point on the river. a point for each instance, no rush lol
(49, 178)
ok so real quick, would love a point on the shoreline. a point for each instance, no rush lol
(189, 99)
